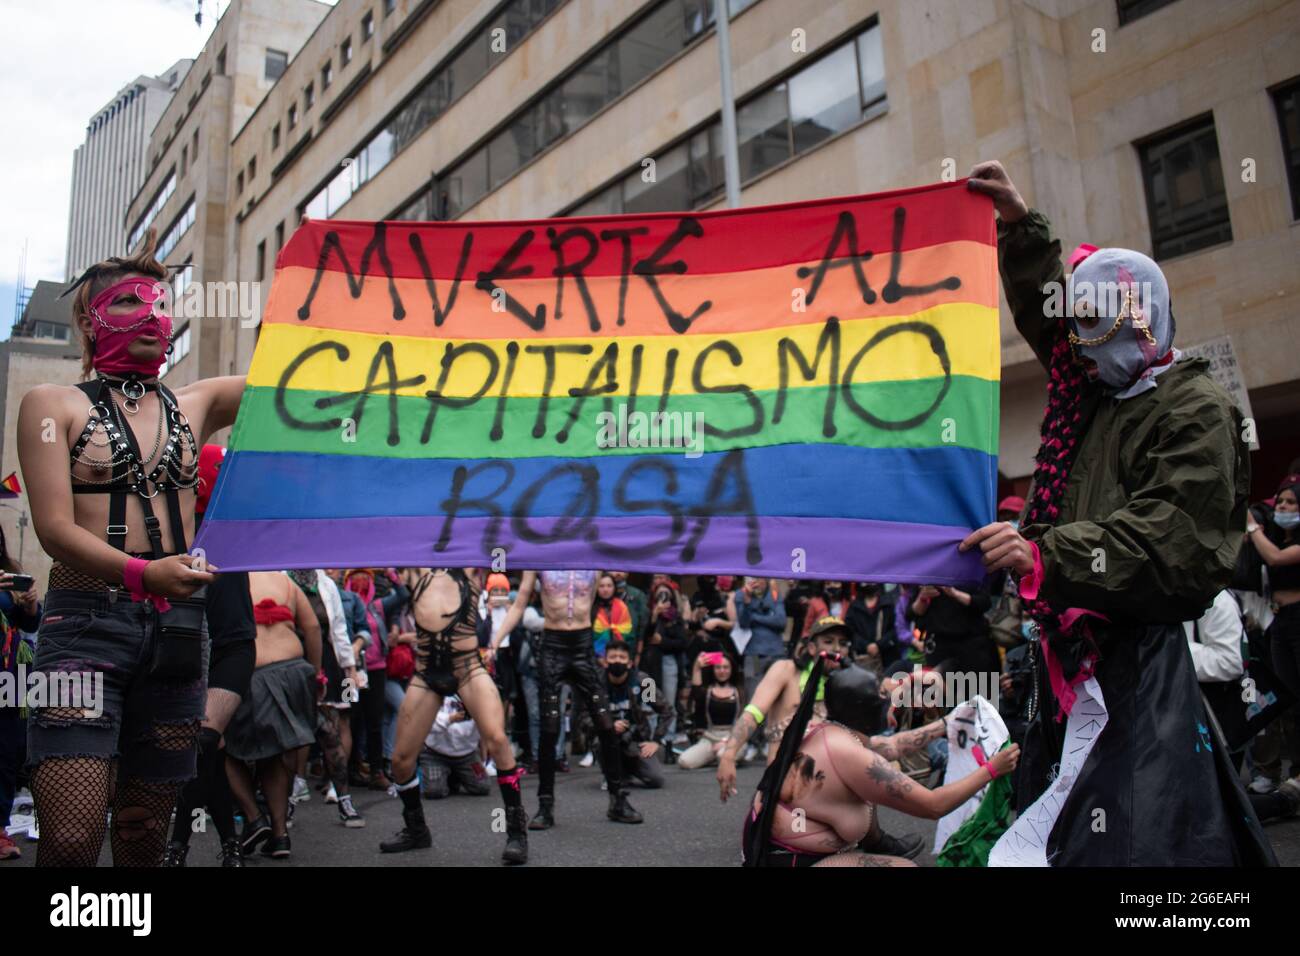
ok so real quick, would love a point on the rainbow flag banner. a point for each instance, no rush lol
(802, 390)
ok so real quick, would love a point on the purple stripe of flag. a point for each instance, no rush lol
(834, 548)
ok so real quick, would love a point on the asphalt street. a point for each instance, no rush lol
(685, 825)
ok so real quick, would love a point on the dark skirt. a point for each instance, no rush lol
(277, 715)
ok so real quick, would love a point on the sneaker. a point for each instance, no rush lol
(490, 768)
(331, 795)
(749, 754)
(277, 848)
(348, 814)
(604, 786)
(254, 833)
(587, 759)
(562, 766)
(175, 853)
(1262, 784)
(301, 792)
(379, 781)
(22, 823)
(8, 848)
(288, 825)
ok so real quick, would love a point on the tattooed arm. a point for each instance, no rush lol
(910, 741)
(878, 782)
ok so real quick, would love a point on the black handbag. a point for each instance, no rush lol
(178, 639)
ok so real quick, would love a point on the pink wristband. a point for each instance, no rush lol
(133, 578)
(993, 774)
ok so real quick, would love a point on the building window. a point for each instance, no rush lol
(367, 27)
(239, 183)
(275, 136)
(277, 61)
(185, 157)
(389, 7)
(308, 96)
(1186, 200)
(326, 75)
(345, 52)
(1130, 10)
(838, 89)
(221, 62)
(155, 207)
(279, 235)
(259, 270)
(1287, 101)
(182, 281)
(293, 115)
(194, 145)
(178, 228)
(252, 170)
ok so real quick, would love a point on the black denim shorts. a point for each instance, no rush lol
(106, 648)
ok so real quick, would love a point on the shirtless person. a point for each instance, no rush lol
(777, 697)
(110, 468)
(445, 606)
(839, 773)
(565, 652)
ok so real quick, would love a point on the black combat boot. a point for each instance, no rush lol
(516, 850)
(545, 818)
(414, 836)
(620, 811)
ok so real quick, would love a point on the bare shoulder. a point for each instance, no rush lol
(60, 402)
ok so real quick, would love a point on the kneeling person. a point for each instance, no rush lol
(630, 691)
(450, 760)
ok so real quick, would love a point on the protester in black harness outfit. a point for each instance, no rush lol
(121, 609)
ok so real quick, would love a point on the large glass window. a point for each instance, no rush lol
(824, 98)
(466, 184)
(155, 206)
(1287, 101)
(650, 44)
(277, 61)
(827, 97)
(1186, 200)
(763, 132)
(446, 85)
(178, 229)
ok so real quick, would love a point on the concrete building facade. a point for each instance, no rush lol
(186, 195)
(1166, 126)
(108, 168)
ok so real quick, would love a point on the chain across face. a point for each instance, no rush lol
(130, 309)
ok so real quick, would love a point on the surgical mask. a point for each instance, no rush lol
(1286, 519)
(114, 333)
(617, 670)
(1128, 296)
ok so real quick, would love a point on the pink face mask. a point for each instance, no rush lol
(114, 332)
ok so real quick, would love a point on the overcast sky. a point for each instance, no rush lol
(63, 61)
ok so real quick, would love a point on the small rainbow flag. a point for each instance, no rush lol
(800, 390)
(9, 488)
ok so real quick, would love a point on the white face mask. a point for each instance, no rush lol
(1286, 520)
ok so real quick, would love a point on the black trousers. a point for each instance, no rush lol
(570, 656)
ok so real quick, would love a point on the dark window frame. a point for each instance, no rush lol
(1291, 88)
(1132, 10)
(1168, 243)
(267, 62)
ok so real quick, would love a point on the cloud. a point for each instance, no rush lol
(64, 60)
